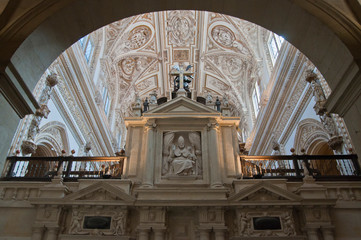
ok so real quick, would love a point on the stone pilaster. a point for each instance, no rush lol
(312, 233)
(204, 234)
(143, 234)
(148, 179)
(52, 233)
(37, 233)
(213, 155)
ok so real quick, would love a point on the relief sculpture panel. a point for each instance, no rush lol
(182, 155)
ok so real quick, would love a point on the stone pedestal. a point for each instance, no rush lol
(143, 234)
(226, 111)
(152, 106)
(204, 234)
(312, 233)
(137, 111)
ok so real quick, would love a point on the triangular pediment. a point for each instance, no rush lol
(100, 192)
(264, 192)
(182, 105)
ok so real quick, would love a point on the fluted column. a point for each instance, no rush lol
(327, 233)
(158, 234)
(149, 157)
(219, 234)
(204, 234)
(213, 155)
(37, 233)
(52, 233)
(312, 233)
(143, 234)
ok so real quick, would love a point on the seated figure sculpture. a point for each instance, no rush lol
(181, 158)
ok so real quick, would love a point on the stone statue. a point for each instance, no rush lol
(209, 98)
(225, 101)
(182, 158)
(153, 97)
(145, 105)
(120, 223)
(75, 226)
(305, 170)
(218, 104)
(318, 91)
(329, 124)
(288, 226)
(138, 102)
(242, 224)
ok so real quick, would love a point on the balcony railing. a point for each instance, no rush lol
(321, 167)
(69, 168)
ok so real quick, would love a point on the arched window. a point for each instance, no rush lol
(256, 97)
(87, 45)
(106, 100)
(274, 45)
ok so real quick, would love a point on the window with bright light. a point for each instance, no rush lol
(87, 45)
(256, 97)
(274, 44)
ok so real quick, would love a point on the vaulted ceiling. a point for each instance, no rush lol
(228, 55)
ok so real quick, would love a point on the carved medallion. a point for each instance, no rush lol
(127, 65)
(139, 36)
(181, 28)
(223, 36)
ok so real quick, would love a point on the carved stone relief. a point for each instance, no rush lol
(181, 27)
(223, 36)
(182, 155)
(246, 220)
(139, 36)
(118, 225)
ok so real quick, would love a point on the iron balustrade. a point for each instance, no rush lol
(70, 168)
(321, 167)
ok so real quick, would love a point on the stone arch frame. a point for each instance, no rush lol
(309, 132)
(312, 136)
(53, 138)
(329, 38)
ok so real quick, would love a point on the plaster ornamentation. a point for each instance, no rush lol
(181, 27)
(223, 36)
(138, 37)
(246, 218)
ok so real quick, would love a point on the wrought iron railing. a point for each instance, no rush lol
(69, 168)
(322, 167)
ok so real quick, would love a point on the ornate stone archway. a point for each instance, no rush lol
(31, 40)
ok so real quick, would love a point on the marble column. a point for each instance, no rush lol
(143, 234)
(312, 233)
(149, 159)
(213, 156)
(327, 233)
(158, 234)
(204, 234)
(52, 233)
(219, 234)
(37, 233)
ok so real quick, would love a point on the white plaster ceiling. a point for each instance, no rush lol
(140, 52)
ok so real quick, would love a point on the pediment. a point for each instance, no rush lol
(100, 192)
(182, 105)
(264, 192)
